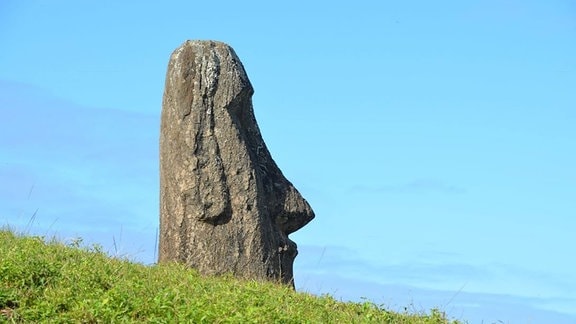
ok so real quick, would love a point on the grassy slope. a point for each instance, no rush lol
(59, 283)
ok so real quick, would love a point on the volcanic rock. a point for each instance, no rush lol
(225, 206)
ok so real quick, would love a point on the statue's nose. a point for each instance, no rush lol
(295, 213)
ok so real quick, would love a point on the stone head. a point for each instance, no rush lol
(225, 205)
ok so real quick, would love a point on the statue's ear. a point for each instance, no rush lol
(207, 204)
(208, 200)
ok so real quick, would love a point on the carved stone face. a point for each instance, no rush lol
(225, 205)
(282, 210)
(290, 214)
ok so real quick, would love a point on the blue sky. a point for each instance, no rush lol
(434, 139)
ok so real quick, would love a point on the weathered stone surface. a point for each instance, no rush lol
(225, 206)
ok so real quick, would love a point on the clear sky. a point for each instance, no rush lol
(434, 139)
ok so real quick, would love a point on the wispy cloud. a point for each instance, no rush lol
(78, 169)
(346, 262)
(418, 186)
(456, 302)
(477, 292)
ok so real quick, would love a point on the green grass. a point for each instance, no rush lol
(53, 282)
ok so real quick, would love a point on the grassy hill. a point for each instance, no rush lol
(55, 282)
